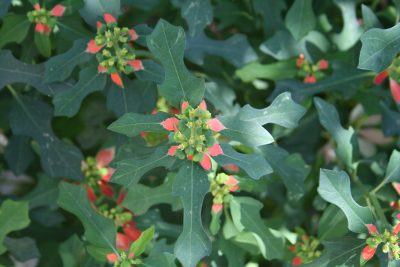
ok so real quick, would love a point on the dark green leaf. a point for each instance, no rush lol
(13, 216)
(132, 124)
(43, 43)
(4, 5)
(129, 171)
(246, 216)
(291, 168)
(334, 187)
(152, 72)
(191, 185)
(346, 141)
(33, 118)
(300, 18)
(137, 97)
(167, 43)
(221, 97)
(68, 102)
(99, 231)
(253, 164)
(60, 67)
(161, 259)
(14, 71)
(247, 132)
(235, 49)
(93, 10)
(19, 154)
(283, 111)
(271, 12)
(14, 29)
(369, 18)
(390, 120)
(71, 251)
(22, 249)
(198, 14)
(45, 193)
(141, 198)
(333, 223)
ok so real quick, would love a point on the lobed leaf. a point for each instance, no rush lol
(191, 185)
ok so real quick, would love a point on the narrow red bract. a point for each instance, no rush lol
(215, 125)
(58, 10)
(297, 261)
(216, 208)
(136, 64)
(367, 253)
(381, 77)
(92, 48)
(108, 18)
(116, 78)
(395, 90)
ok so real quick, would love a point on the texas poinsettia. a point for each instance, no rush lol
(389, 239)
(194, 132)
(113, 48)
(45, 20)
(311, 72)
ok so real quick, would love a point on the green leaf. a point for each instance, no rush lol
(129, 171)
(43, 43)
(273, 71)
(71, 251)
(93, 10)
(300, 18)
(19, 153)
(346, 140)
(246, 216)
(236, 49)
(334, 187)
(14, 71)
(45, 193)
(369, 18)
(344, 252)
(247, 132)
(32, 118)
(160, 259)
(393, 168)
(333, 224)
(351, 30)
(137, 97)
(141, 198)
(167, 43)
(221, 97)
(379, 47)
(14, 29)
(60, 67)
(132, 124)
(22, 249)
(291, 168)
(4, 5)
(390, 120)
(13, 216)
(271, 13)
(283, 111)
(198, 14)
(191, 185)
(99, 230)
(139, 246)
(253, 164)
(68, 102)
(151, 71)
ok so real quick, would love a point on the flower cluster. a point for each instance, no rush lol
(390, 241)
(306, 250)
(45, 20)
(393, 72)
(195, 133)
(97, 175)
(113, 49)
(311, 73)
(220, 188)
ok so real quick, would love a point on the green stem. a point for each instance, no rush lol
(379, 186)
(378, 209)
(144, 53)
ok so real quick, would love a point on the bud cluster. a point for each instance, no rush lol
(220, 188)
(93, 173)
(311, 73)
(307, 249)
(118, 214)
(193, 133)
(116, 52)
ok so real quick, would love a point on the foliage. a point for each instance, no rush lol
(199, 133)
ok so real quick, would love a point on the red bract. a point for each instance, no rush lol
(381, 77)
(105, 156)
(42, 28)
(131, 231)
(367, 253)
(58, 10)
(323, 64)
(216, 208)
(92, 48)
(116, 78)
(231, 167)
(396, 229)
(90, 193)
(215, 125)
(108, 18)
(310, 79)
(372, 229)
(170, 124)
(297, 261)
(395, 90)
